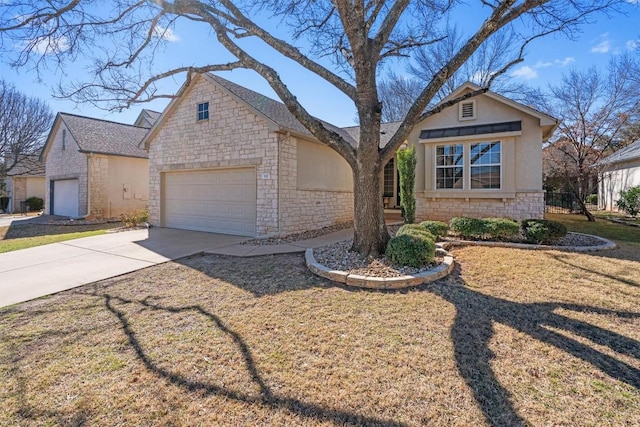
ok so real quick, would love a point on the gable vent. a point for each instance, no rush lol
(467, 110)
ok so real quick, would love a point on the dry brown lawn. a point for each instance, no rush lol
(513, 337)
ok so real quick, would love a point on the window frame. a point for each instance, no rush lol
(467, 166)
(489, 165)
(454, 166)
(202, 113)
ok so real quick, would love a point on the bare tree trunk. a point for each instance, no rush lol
(370, 231)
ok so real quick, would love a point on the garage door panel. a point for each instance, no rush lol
(220, 201)
(65, 198)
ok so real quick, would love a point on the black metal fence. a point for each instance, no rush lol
(560, 203)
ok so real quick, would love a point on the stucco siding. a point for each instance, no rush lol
(67, 163)
(616, 178)
(233, 136)
(521, 166)
(304, 207)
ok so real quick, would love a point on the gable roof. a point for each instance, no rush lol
(147, 118)
(28, 165)
(99, 136)
(273, 111)
(547, 123)
(630, 152)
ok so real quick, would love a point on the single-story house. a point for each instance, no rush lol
(26, 179)
(620, 171)
(94, 168)
(223, 158)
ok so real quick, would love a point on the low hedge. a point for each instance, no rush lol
(542, 231)
(485, 228)
(411, 250)
(437, 228)
(415, 230)
(35, 203)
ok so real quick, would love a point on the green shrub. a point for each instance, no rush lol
(411, 251)
(134, 217)
(437, 228)
(501, 228)
(542, 231)
(407, 173)
(630, 201)
(415, 230)
(468, 227)
(592, 199)
(35, 203)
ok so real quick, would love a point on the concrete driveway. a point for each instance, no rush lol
(43, 270)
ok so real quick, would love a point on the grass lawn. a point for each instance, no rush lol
(29, 242)
(513, 337)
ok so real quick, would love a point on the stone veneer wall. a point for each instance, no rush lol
(66, 164)
(233, 136)
(525, 205)
(99, 185)
(302, 209)
(19, 191)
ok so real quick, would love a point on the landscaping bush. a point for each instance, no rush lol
(437, 228)
(592, 199)
(501, 228)
(468, 227)
(135, 217)
(542, 231)
(35, 203)
(411, 251)
(630, 201)
(415, 230)
(407, 173)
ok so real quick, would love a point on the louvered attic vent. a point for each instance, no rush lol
(467, 110)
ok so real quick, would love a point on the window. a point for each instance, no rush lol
(485, 165)
(203, 111)
(389, 172)
(64, 139)
(467, 110)
(449, 166)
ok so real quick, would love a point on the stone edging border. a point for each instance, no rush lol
(369, 282)
(605, 246)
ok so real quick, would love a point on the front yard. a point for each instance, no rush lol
(513, 337)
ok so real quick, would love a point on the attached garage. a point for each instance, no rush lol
(215, 201)
(65, 198)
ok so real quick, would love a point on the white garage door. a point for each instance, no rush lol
(65, 198)
(216, 201)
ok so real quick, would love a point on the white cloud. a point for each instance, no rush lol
(49, 45)
(632, 1)
(525, 72)
(564, 62)
(632, 44)
(604, 46)
(541, 64)
(165, 34)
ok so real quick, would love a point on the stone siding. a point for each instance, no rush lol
(233, 136)
(525, 205)
(69, 163)
(99, 184)
(303, 209)
(19, 189)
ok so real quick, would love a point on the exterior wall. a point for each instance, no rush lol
(24, 187)
(521, 167)
(312, 200)
(233, 136)
(614, 179)
(522, 206)
(128, 184)
(69, 163)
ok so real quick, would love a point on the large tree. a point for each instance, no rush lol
(24, 124)
(600, 112)
(358, 36)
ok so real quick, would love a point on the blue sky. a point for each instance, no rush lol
(545, 61)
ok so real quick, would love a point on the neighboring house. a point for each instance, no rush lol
(560, 168)
(94, 168)
(620, 171)
(147, 118)
(223, 158)
(26, 179)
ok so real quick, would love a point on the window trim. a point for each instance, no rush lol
(499, 164)
(435, 157)
(466, 168)
(202, 115)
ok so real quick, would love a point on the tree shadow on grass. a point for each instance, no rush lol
(473, 329)
(265, 397)
(564, 259)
